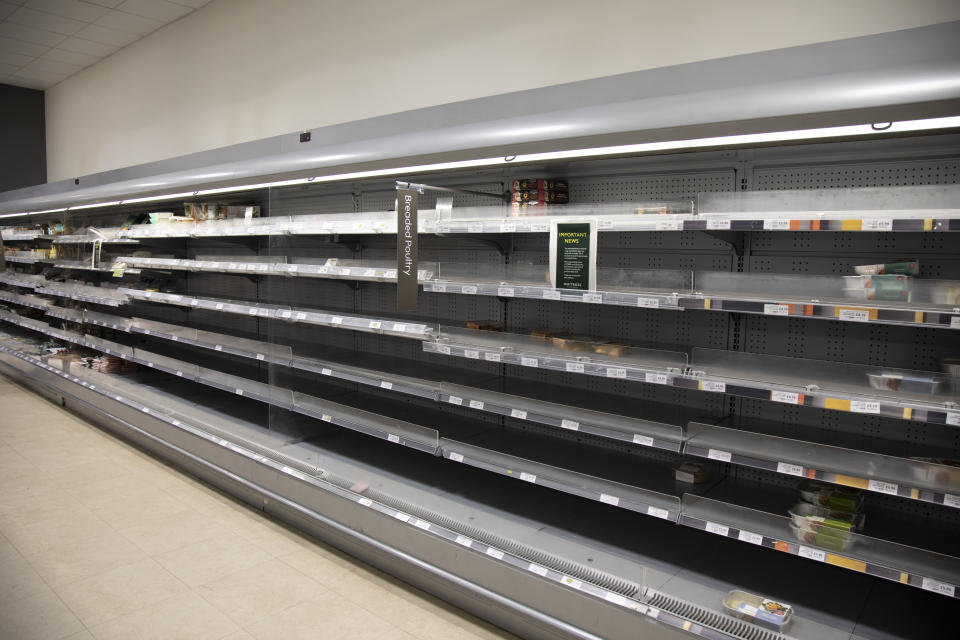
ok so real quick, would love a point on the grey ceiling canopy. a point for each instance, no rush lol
(909, 74)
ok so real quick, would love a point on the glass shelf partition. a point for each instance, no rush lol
(640, 216)
(906, 477)
(900, 563)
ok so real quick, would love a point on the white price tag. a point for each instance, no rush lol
(616, 372)
(951, 500)
(470, 289)
(860, 406)
(575, 367)
(369, 273)
(646, 441)
(537, 569)
(812, 554)
(326, 417)
(219, 306)
(718, 223)
(239, 391)
(491, 356)
(718, 529)
(883, 487)
(717, 454)
(551, 294)
(669, 225)
(938, 587)
(476, 404)
(475, 227)
(336, 320)
(393, 438)
(572, 582)
(508, 227)
(855, 315)
(752, 538)
(955, 322)
(444, 349)
(471, 353)
(440, 288)
(456, 457)
(422, 524)
(365, 502)
(656, 378)
(218, 348)
(790, 469)
(776, 309)
(386, 385)
(260, 356)
(374, 324)
(494, 553)
(787, 397)
(344, 271)
(518, 413)
(572, 425)
(657, 512)
(464, 541)
(528, 477)
(529, 362)
(595, 298)
(716, 387)
(457, 400)
(400, 327)
(326, 372)
(615, 598)
(648, 303)
(776, 224)
(301, 316)
(607, 498)
(953, 418)
(878, 224)
(506, 292)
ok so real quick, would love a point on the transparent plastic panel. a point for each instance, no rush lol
(901, 202)
(560, 354)
(861, 467)
(383, 427)
(583, 485)
(563, 211)
(561, 416)
(894, 558)
(817, 375)
(173, 366)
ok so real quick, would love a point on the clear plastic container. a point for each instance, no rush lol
(827, 538)
(761, 611)
(832, 497)
(811, 516)
(928, 385)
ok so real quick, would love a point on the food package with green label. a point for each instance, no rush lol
(905, 268)
(761, 611)
(836, 498)
(807, 515)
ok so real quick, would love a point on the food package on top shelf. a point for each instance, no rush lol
(905, 268)
(690, 473)
(522, 184)
(836, 498)
(536, 191)
(200, 211)
(758, 610)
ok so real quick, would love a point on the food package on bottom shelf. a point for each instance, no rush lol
(906, 268)
(761, 611)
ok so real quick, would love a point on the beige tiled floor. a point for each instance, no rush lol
(100, 541)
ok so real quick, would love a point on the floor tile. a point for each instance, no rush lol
(331, 617)
(123, 590)
(18, 579)
(183, 617)
(204, 561)
(264, 589)
(83, 559)
(38, 617)
(157, 535)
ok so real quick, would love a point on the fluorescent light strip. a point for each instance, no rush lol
(931, 124)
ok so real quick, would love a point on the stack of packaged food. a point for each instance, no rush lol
(534, 191)
(827, 515)
(889, 281)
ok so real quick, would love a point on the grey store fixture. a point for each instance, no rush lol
(527, 481)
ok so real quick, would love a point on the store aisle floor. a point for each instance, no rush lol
(99, 540)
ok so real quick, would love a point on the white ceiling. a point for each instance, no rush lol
(45, 41)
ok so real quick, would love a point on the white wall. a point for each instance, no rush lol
(239, 70)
